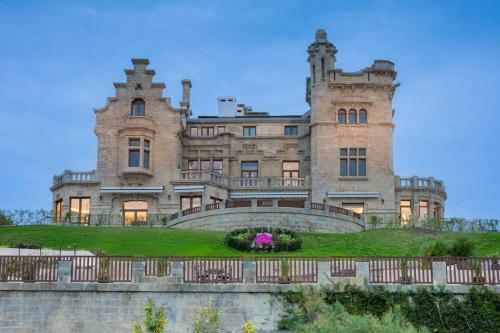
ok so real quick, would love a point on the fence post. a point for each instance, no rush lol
(64, 271)
(438, 273)
(275, 202)
(363, 271)
(249, 272)
(138, 271)
(177, 271)
(324, 271)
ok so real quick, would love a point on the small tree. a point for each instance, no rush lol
(207, 320)
(154, 319)
(4, 219)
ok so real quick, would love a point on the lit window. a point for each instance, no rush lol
(135, 211)
(423, 209)
(362, 116)
(342, 115)
(354, 207)
(354, 163)
(221, 129)
(291, 171)
(79, 208)
(249, 131)
(352, 116)
(138, 107)
(58, 211)
(405, 210)
(291, 131)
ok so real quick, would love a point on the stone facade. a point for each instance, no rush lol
(154, 158)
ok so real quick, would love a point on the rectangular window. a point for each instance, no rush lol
(323, 74)
(145, 157)
(221, 129)
(423, 209)
(190, 202)
(357, 207)
(249, 131)
(405, 210)
(291, 131)
(58, 211)
(436, 210)
(193, 131)
(353, 162)
(133, 158)
(216, 200)
(217, 168)
(79, 208)
(291, 173)
(207, 131)
(249, 171)
(134, 142)
(205, 165)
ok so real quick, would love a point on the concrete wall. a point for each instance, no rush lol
(290, 218)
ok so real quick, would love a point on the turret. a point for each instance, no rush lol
(321, 58)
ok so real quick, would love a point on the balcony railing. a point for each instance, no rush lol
(421, 183)
(238, 182)
(266, 182)
(69, 176)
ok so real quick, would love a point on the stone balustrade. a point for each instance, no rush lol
(68, 177)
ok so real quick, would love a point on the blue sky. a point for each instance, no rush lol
(59, 59)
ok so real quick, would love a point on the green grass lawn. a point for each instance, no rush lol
(176, 242)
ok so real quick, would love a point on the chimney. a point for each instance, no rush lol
(186, 94)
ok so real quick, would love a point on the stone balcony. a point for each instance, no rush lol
(238, 183)
(420, 183)
(69, 177)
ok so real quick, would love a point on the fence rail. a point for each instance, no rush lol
(286, 270)
(404, 270)
(213, 270)
(381, 270)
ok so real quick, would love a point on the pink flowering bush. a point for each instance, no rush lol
(263, 239)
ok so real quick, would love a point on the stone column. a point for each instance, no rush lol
(324, 271)
(249, 272)
(275, 202)
(438, 273)
(363, 272)
(64, 271)
(177, 271)
(138, 271)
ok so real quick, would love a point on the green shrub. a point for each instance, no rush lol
(154, 319)
(462, 247)
(338, 320)
(4, 219)
(283, 240)
(438, 310)
(436, 248)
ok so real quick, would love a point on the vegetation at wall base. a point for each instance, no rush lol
(282, 240)
(146, 241)
(426, 308)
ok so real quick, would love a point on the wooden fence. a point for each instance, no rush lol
(286, 270)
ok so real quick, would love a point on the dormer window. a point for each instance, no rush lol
(138, 108)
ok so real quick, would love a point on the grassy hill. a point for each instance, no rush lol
(176, 242)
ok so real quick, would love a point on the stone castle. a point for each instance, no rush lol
(154, 158)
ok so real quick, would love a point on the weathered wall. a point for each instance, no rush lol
(290, 218)
(80, 307)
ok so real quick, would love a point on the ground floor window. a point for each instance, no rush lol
(215, 200)
(423, 209)
(356, 207)
(405, 210)
(58, 211)
(79, 208)
(190, 202)
(436, 210)
(135, 211)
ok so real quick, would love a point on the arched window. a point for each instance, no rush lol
(342, 115)
(362, 116)
(138, 107)
(353, 116)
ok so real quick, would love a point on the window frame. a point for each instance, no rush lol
(365, 113)
(190, 197)
(82, 218)
(342, 112)
(58, 210)
(138, 102)
(144, 149)
(353, 161)
(355, 113)
(249, 128)
(294, 130)
(134, 211)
